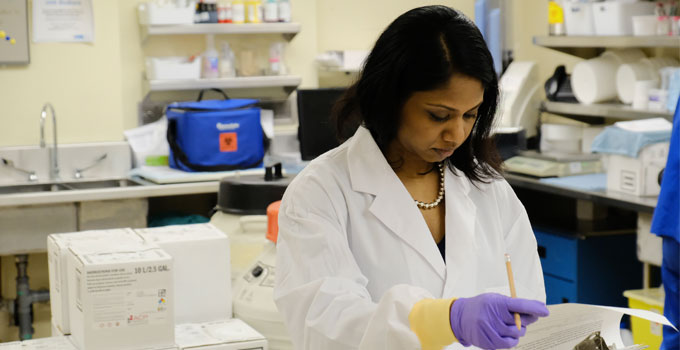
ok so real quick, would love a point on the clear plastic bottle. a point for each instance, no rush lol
(276, 66)
(284, 11)
(238, 11)
(227, 60)
(210, 68)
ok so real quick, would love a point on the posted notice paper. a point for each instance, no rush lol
(63, 21)
(569, 324)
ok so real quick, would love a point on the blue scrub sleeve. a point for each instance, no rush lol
(666, 220)
(670, 271)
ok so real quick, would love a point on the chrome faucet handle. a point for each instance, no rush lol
(54, 157)
(10, 164)
(78, 173)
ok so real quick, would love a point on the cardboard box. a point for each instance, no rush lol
(57, 247)
(232, 334)
(202, 273)
(637, 176)
(122, 298)
(53, 343)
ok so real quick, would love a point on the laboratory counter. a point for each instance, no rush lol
(145, 189)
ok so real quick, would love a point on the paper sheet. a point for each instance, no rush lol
(645, 125)
(63, 21)
(569, 324)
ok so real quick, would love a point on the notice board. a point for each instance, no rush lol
(14, 32)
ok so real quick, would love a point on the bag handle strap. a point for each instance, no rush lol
(200, 94)
(180, 157)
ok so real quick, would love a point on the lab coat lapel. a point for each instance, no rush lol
(393, 205)
(461, 245)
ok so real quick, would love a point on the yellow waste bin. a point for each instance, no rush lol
(646, 332)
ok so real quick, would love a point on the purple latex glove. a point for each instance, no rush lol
(488, 322)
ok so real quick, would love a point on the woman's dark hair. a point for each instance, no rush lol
(420, 51)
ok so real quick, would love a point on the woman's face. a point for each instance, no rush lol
(435, 123)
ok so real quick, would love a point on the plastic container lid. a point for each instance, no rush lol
(651, 296)
(251, 194)
(273, 221)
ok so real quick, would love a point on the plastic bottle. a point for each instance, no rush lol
(238, 11)
(276, 66)
(212, 11)
(556, 18)
(284, 11)
(271, 11)
(227, 60)
(253, 11)
(210, 68)
(197, 14)
(205, 12)
(224, 12)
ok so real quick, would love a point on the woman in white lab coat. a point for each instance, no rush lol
(396, 238)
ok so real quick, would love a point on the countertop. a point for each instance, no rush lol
(147, 189)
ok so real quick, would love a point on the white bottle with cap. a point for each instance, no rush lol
(284, 11)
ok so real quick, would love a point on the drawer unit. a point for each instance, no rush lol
(590, 269)
(557, 255)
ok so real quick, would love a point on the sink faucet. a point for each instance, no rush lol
(54, 160)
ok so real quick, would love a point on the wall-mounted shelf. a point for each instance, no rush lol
(283, 81)
(288, 30)
(606, 110)
(591, 46)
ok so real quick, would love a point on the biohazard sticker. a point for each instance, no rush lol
(228, 142)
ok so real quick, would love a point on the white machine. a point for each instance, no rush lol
(242, 203)
(254, 291)
(521, 96)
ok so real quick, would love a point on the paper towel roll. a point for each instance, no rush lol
(594, 80)
(627, 75)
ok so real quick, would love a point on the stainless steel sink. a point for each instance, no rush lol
(32, 188)
(67, 186)
(90, 185)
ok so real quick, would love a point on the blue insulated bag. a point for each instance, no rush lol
(215, 135)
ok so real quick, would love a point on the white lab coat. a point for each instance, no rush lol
(354, 252)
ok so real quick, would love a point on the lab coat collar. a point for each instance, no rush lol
(394, 206)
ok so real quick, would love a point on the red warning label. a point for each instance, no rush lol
(228, 142)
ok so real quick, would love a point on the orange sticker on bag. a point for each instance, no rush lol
(228, 142)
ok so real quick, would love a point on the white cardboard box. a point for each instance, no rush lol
(232, 334)
(202, 273)
(637, 176)
(123, 298)
(57, 248)
(52, 343)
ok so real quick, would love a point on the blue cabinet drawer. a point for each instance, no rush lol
(558, 291)
(558, 255)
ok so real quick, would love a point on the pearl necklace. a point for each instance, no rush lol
(436, 202)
